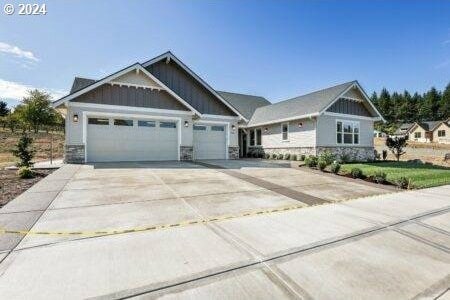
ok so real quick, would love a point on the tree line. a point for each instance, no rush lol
(405, 107)
(34, 113)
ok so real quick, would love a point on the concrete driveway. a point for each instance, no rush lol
(221, 229)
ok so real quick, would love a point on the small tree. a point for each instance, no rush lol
(396, 145)
(4, 110)
(24, 152)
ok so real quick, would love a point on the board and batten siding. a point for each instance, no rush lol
(350, 107)
(188, 88)
(304, 136)
(326, 128)
(131, 96)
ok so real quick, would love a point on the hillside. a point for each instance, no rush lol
(41, 144)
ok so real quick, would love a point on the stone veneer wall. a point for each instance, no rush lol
(292, 150)
(233, 152)
(353, 153)
(186, 153)
(74, 154)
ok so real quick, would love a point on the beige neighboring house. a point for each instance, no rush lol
(430, 131)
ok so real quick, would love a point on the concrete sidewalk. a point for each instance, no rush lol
(389, 246)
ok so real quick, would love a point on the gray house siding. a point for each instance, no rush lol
(350, 107)
(130, 96)
(185, 86)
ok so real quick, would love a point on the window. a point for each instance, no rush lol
(258, 137)
(441, 133)
(217, 128)
(146, 123)
(98, 121)
(168, 125)
(417, 135)
(121, 122)
(285, 131)
(347, 132)
(252, 138)
(199, 127)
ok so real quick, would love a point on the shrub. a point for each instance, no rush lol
(335, 167)
(356, 173)
(379, 177)
(294, 157)
(25, 172)
(274, 156)
(385, 154)
(376, 155)
(287, 156)
(302, 157)
(267, 156)
(280, 156)
(311, 161)
(345, 158)
(327, 157)
(402, 182)
(322, 164)
(24, 152)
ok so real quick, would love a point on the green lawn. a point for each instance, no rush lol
(420, 175)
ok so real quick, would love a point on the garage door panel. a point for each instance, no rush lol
(131, 143)
(209, 144)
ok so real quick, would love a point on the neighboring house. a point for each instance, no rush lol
(162, 110)
(379, 134)
(403, 129)
(430, 131)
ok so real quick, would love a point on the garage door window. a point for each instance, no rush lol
(217, 128)
(168, 125)
(146, 123)
(199, 127)
(122, 122)
(98, 121)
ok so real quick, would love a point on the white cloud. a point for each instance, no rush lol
(16, 90)
(16, 51)
(446, 42)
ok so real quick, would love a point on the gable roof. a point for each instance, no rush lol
(245, 104)
(428, 125)
(404, 128)
(135, 66)
(170, 56)
(308, 105)
(80, 83)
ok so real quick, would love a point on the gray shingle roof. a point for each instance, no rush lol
(429, 125)
(245, 104)
(304, 105)
(80, 83)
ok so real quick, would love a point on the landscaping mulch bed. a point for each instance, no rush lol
(12, 186)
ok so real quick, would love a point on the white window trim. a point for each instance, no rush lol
(353, 133)
(288, 132)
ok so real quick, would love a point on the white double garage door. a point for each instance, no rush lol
(112, 139)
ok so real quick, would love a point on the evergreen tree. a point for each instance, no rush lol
(4, 110)
(416, 102)
(444, 105)
(385, 105)
(430, 106)
(374, 99)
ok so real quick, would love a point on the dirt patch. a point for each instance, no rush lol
(12, 186)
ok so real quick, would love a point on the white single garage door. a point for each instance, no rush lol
(126, 139)
(209, 141)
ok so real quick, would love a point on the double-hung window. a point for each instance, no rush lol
(285, 131)
(441, 133)
(258, 137)
(347, 132)
(417, 135)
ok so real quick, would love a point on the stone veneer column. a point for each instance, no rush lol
(233, 152)
(74, 154)
(186, 153)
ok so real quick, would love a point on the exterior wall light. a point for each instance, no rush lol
(300, 124)
(75, 118)
(233, 128)
(266, 129)
(186, 124)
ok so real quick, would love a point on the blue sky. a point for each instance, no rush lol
(276, 49)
